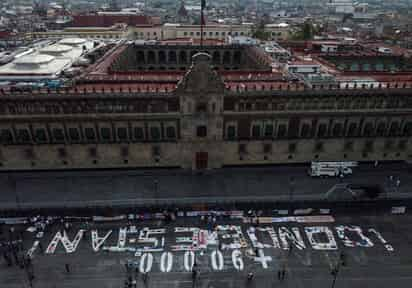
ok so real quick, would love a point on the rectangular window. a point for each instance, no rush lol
(74, 134)
(23, 136)
(231, 132)
(267, 148)
(40, 135)
(185, 33)
(122, 133)
(348, 146)
(155, 133)
(171, 132)
(89, 133)
(201, 131)
(156, 151)
(138, 133)
(242, 149)
(256, 131)
(368, 146)
(6, 136)
(58, 135)
(282, 131)
(292, 147)
(319, 147)
(268, 130)
(105, 134)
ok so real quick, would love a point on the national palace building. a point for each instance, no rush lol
(179, 104)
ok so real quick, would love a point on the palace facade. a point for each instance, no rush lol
(200, 108)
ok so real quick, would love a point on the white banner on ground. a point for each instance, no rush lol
(104, 218)
(398, 210)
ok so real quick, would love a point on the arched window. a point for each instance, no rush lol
(407, 129)
(381, 129)
(140, 57)
(337, 130)
(151, 58)
(227, 58)
(368, 130)
(305, 131)
(182, 57)
(162, 57)
(322, 130)
(172, 57)
(352, 130)
(237, 56)
(394, 129)
(216, 58)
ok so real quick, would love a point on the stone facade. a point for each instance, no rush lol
(203, 124)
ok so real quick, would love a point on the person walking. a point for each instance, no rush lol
(194, 276)
(41, 248)
(145, 278)
(250, 276)
(67, 267)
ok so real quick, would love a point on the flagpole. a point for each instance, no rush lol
(201, 26)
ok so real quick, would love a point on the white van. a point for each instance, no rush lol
(331, 169)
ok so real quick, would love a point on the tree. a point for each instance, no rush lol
(259, 32)
(306, 32)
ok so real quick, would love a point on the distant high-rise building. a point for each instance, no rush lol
(342, 6)
(114, 5)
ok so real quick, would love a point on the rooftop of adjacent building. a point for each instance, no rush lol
(45, 62)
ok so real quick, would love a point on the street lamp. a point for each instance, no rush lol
(291, 187)
(334, 273)
(291, 190)
(156, 184)
(12, 182)
(336, 269)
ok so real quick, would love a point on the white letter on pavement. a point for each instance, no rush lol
(189, 260)
(237, 260)
(217, 257)
(330, 244)
(97, 241)
(343, 229)
(263, 259)
(146, 262)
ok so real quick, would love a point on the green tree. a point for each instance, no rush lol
(306, 32)
(259, 32)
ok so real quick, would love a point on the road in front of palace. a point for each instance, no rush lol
(376, 252)
(171, 186)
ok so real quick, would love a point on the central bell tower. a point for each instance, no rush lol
(201, 106)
